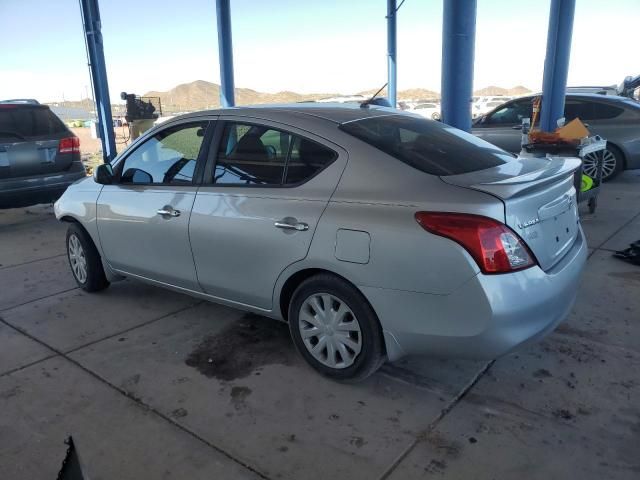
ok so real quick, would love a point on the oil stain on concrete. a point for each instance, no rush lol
(243, 348)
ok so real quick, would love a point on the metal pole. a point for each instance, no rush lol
(391, 52)
(97, 67)
(556, 63)
(225, 49)
(458, 44)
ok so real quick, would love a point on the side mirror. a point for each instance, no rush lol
(136, 176)
(103, 174)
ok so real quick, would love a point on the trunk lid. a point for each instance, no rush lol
(539, 198)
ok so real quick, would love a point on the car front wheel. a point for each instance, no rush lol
(335, 329)
(84, 260)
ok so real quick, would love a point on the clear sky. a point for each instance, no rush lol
(300, 45)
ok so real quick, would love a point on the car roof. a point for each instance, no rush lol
(586, 96)
(333, 112)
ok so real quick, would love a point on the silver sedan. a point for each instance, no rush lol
(375, 234)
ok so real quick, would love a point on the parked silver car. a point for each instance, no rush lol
(375, 234)
(614, 118)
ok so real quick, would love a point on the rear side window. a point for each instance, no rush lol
(590, 110)
(257, 155)
(430, 147)
(24, 123)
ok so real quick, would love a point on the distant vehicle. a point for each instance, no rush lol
(344, 99)
(486, 104)
(617, 119)
(610, 90)
(374, 233)
(625, 89)
(428, 110)
(39, 155)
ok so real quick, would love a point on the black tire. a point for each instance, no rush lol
(372, 353)
(619, 161)
(95, 279)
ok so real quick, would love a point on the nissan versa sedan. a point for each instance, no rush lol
(374, 233)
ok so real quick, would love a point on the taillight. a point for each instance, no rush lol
(493, 245)
(69, 145)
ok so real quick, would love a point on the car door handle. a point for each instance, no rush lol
(168, 212)
(300, 227)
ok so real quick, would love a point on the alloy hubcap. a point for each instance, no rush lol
(77, 259)
(591, 161)
(330, 330)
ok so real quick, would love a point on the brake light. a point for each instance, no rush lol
(69, 145)
(494, 246)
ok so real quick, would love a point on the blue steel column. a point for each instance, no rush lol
(556, 63)
(93, 35)
(391, 52)
(458, 45)
(225, 49)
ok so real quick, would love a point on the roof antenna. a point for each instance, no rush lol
(372, 100)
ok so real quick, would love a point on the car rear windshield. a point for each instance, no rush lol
(19, 122)
(431, 147)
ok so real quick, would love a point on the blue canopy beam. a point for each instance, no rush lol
(556, 63)
(392, 75)
(97, 66)
(458, 46)
(225, 49)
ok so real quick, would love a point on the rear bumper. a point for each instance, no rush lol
(17, 192)
(487, 317)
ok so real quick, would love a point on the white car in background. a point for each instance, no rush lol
(486, 104)
(428, 110)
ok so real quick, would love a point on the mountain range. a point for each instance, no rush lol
(199, 95)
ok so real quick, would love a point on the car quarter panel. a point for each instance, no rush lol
(379, 196)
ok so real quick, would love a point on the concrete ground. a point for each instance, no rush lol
(153, 384)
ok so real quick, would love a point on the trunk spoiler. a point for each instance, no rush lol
(517, 177)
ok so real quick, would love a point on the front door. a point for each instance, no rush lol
(503, 127)
(257, 211)
(143, 218)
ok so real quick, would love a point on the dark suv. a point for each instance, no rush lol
(617, 119)
(39, 156)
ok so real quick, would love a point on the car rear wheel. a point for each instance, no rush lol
(435, 116)
(612, 163)
(335, 329)
(84, 260)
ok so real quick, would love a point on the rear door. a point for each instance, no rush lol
(257, 210)
(30, 138)
(143, 217)
(503, 126)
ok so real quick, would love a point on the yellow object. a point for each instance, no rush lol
(586, 184)
(574, 130)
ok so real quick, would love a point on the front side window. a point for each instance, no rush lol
(511, 114)
(257, 155)
(169, 157)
